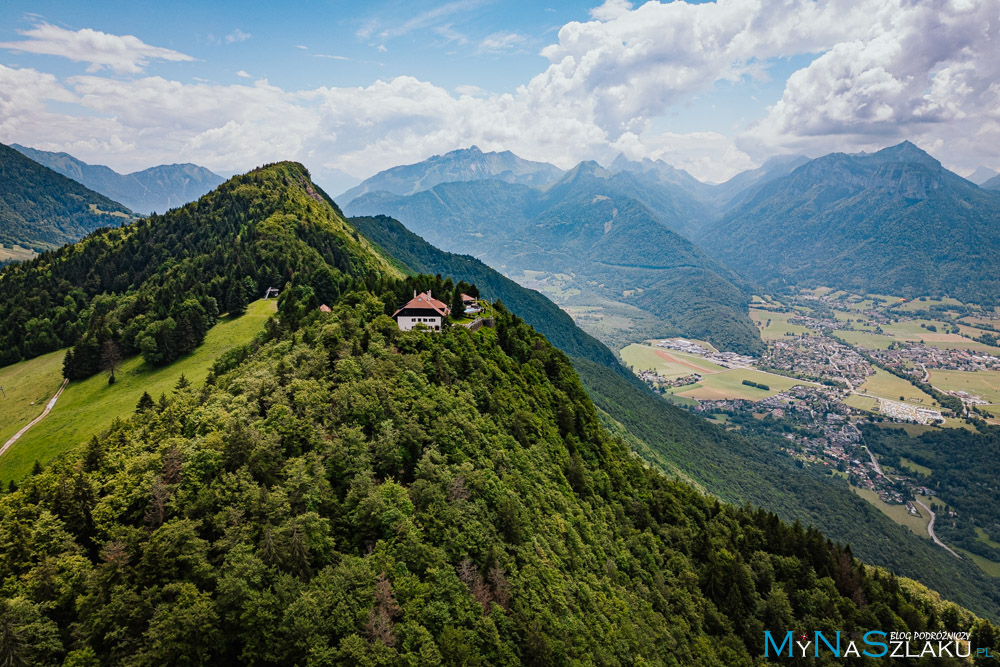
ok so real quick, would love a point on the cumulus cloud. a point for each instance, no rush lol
(879, 71)
(243, 74)
(124, 54)
(928, 74)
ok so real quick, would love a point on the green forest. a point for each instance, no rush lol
(341, 492)
(964, 472)
(40, 209)
(743, 467)
(351, 494)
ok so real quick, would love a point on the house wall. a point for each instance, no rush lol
(408, 322)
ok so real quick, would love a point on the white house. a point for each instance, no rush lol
(422, 309)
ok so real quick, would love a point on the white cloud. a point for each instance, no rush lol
(237, 36)
(927, 74)
(125, 54)
(500, 42)
(244, 74)
(611, 9)
(881, 71)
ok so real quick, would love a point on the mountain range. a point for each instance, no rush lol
(599, 229)
(467, 164)
(158, 188)
(893, 222)
(40, 209)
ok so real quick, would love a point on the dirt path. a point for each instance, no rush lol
(48, 408)
(930, 531)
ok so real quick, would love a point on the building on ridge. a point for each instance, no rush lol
(422, 309)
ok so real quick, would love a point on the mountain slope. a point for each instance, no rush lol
(890, 222)
(40, 209)
(595, 226)
(726, 464)
(991, 184)
(162, 281)
(155, 189)
(349, 493)
(728, 194)
(467, 164)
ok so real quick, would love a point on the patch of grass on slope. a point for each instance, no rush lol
(88, 407)
(27, 387)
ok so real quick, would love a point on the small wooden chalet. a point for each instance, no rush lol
(422, 309)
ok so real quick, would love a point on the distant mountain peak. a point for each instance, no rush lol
(462, 164)
(906, 151)
(981, 175)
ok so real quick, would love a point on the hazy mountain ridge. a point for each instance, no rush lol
(590, 224)
(40, 209)
(158, 188)
(466, 164)
(893, 221)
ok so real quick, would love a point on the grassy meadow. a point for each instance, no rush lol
(89, 406)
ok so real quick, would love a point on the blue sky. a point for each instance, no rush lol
(351, 88)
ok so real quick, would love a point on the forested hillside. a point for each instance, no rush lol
(40, 209)
(891, 222)
(344, 492)
(740, 468)
(157, 285)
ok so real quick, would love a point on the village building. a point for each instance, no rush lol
(470, 305)
(422, 309)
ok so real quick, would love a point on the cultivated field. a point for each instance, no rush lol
(778, 326)
(15, 252)
(89, 406)
(729, 384)
(887, 385)
(668, 363)
(898, 513)
(980, 383)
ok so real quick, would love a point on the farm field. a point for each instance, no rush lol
(898, 513)
(981, 383)
(887, 385)
(914, 466)
(729, 384)
(870, 341)
(27, 387)
(917, 304)
(89, 406)
(778, 326)
(15, 252)
(668, 363)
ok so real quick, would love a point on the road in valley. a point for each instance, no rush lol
(930, 531)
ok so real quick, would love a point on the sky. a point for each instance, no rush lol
(349, 89)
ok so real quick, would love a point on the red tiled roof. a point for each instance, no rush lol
(466, 297)
(425, 302)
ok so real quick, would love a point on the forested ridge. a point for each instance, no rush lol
(341, 492)
(40, 209)
(744, 467)
(157, 285)
(351, 494)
